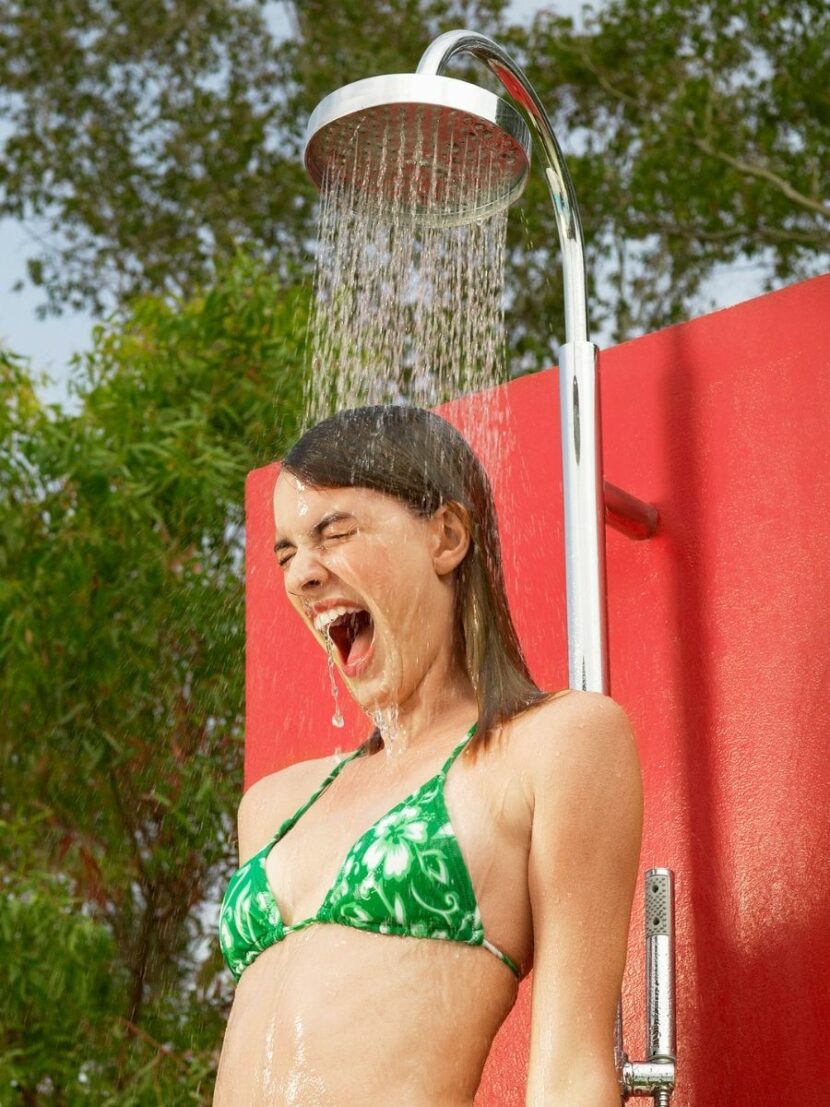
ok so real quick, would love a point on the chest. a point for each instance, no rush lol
(478, 812)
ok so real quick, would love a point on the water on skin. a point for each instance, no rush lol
(337, 719)
(394, 736)
(302, 505)
(303, 1085)
(268, 1088)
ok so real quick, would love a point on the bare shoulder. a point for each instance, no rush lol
(582, 736)
(273, 798)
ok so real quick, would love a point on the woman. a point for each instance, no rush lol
(375, 965)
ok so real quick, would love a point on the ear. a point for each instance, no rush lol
(451, 537)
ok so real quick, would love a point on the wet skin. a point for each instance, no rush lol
(336, 1017)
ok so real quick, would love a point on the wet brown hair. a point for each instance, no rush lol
(423, 461)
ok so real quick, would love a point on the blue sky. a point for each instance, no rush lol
(51, 342)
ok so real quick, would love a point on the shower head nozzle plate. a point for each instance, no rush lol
(440, 150)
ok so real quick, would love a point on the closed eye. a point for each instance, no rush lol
(347, 534)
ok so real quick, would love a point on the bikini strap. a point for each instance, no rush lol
(289, 822)
(467, 738)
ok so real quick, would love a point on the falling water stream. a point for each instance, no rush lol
(406, 310)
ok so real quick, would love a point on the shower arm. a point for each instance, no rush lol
(585, 499)
(515, 81)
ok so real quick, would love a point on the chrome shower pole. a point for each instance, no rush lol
(579, 406)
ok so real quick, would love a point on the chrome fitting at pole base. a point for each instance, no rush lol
(659, 910)
(648, 1077)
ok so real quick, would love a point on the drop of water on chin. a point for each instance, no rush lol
(336, 719)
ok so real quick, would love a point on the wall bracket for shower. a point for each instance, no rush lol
(436, 128)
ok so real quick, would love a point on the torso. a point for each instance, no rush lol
(336, 1016)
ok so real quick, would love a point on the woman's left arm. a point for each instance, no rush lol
(583, 866)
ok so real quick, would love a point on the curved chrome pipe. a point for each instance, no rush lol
(433, 61)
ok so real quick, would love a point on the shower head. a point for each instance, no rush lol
(440, 150)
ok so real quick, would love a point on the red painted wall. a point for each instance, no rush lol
(719, 651)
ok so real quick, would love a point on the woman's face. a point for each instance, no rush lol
(365, 550)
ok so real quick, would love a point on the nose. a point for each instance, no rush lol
(305, 573)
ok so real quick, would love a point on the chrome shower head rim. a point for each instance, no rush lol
(442, 108)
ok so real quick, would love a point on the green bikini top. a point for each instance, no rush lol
(405, 876)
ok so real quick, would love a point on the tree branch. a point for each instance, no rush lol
(604, 82)
(165, 1051)
(751, 170)
(768, 234)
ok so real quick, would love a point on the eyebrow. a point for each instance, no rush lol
(327, 520)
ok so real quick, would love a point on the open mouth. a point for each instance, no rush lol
(352, 633)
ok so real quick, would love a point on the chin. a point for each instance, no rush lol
(374, 696)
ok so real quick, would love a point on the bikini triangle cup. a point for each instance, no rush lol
(405, 875)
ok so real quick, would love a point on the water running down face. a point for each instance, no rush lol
(364, 550)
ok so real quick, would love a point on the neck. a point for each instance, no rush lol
(442, 705)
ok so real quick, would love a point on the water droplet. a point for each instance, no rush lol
(387, 720)
(337, 718)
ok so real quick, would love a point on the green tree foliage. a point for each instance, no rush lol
(121, 688)
(151, 139)
(144, 138)
(701, 136)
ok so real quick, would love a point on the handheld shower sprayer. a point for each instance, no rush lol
(656, 1075)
